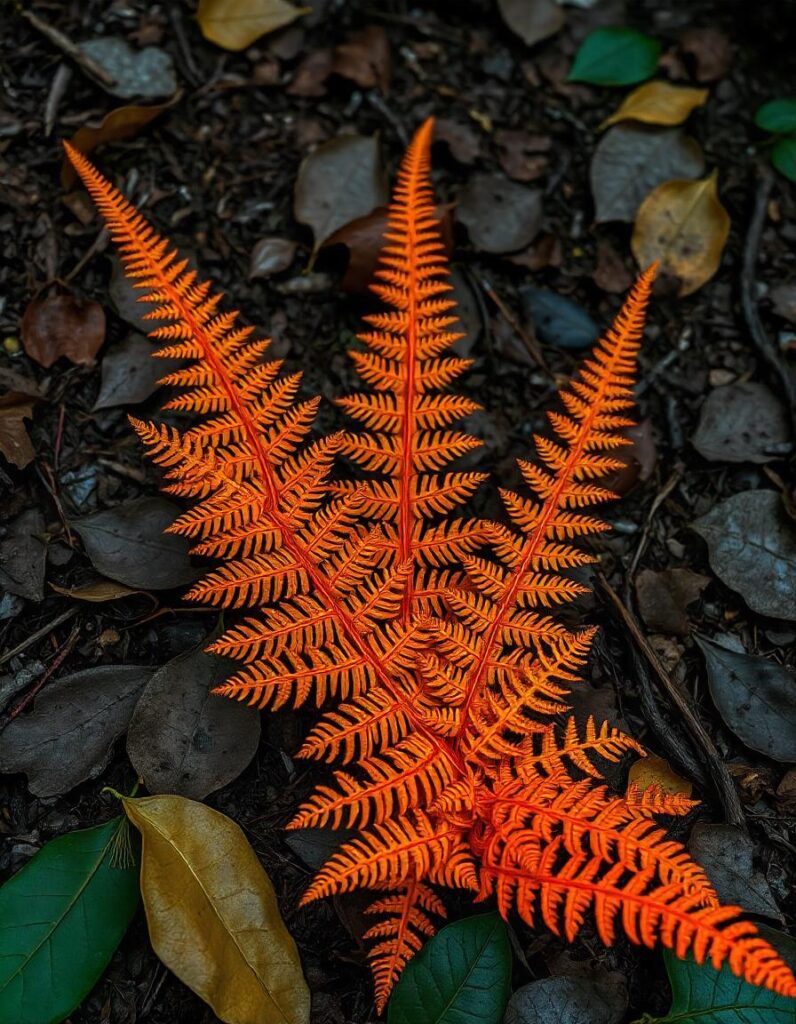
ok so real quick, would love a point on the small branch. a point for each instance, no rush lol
(30, 640)
(720, 776)
(72, 50)
(531, 343)
(53, 667)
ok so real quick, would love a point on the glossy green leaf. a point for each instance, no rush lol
(783, 156)
(61, 918)
(615, 56)
(462, 976)
(702, 995)
(777, 116)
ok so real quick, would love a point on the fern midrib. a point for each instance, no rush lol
(549, 509)
(266, 472)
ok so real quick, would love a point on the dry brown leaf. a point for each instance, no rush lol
(61, 324)
(364, 58)
(117, 125)
(658, 103)
(655, 771)
(711, 51)
(532, 20)
(236, 24)
(683, 225)
(15, 444)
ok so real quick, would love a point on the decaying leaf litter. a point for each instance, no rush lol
(85, 463)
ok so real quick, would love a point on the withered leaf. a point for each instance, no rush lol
(364, 58)
(522, 154)
(23, 556)
(658, 103)
(127, 544)
(756, 697)
(682, 225)
(752, 549)
(61, 324)
(726, 853)
(710, 49)
(15, 444)
(97, 591)
(341, 180)
(631, 160)
(656, 771)
(184, 739)
(742, 423)
(68, 736)
(532, 20)
(663, 598)
(130, 373)
(567, 1000)
(500, 216)
(611, 274)
(461, 140)
(236, 24)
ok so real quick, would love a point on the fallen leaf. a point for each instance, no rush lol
(558, 320)
(711, 51)
(184, 739)
(23, 556)
(532, 20)
(521, 154)
(755, 697)
(658, 103)
(631, 160)
(783, 156)
(316, 845)
(611, 274)
(683, 226)
(726, 853)
(76, 719)
(15, 444)
(145, 74)
(664, 596)
(500, 216)
(742, 423)
(462, 974)
(461, 140)
(566, 1000)
(60, 324)
(615, 56)
(364, 58)
(311, 74)
(639, 459)
(126, 299)
(656, 771)
(341, 180)
(545, 252)
(364, 239)
(70, 906)
(200, 877)
(270, 256)
(127, 544)
(236, 24)
(703, 995)
(98, 591)
(117, 125)
(752, 549)
(130, 373)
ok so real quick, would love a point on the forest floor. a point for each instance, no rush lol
(217, 171)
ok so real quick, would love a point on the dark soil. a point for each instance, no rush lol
(216, 172)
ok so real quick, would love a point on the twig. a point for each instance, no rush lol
(765, 347)
(720, 776)
(380, 106)
(65, 44)
(54, 665)
(60, 83)
(530, 342)
(99, 243)
(30, 640)
(660, 497)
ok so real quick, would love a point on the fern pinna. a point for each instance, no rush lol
(424, 636)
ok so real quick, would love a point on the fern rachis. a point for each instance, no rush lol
(426, 639)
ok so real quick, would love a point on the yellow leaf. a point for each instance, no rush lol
(235, 24)
(655, 771)
(683, 225)
(212, 913)
(658, 103)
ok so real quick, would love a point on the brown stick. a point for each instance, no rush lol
(722, 780)
(28, 641)
(65, 44)
(530, 342)
(54, 665)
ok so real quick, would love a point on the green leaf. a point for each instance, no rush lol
(777, 116)
(61, 918)
(783, 156)
(702, 995)
(615, 56)
(462, 976)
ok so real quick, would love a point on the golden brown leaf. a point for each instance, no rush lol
(655, 771)
(658, 103)
(683, 226)
(235, 24)
(15, 444)
(212, 913)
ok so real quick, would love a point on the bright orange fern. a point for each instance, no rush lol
(431, 634)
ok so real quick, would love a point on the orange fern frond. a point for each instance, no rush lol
(425, 637)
